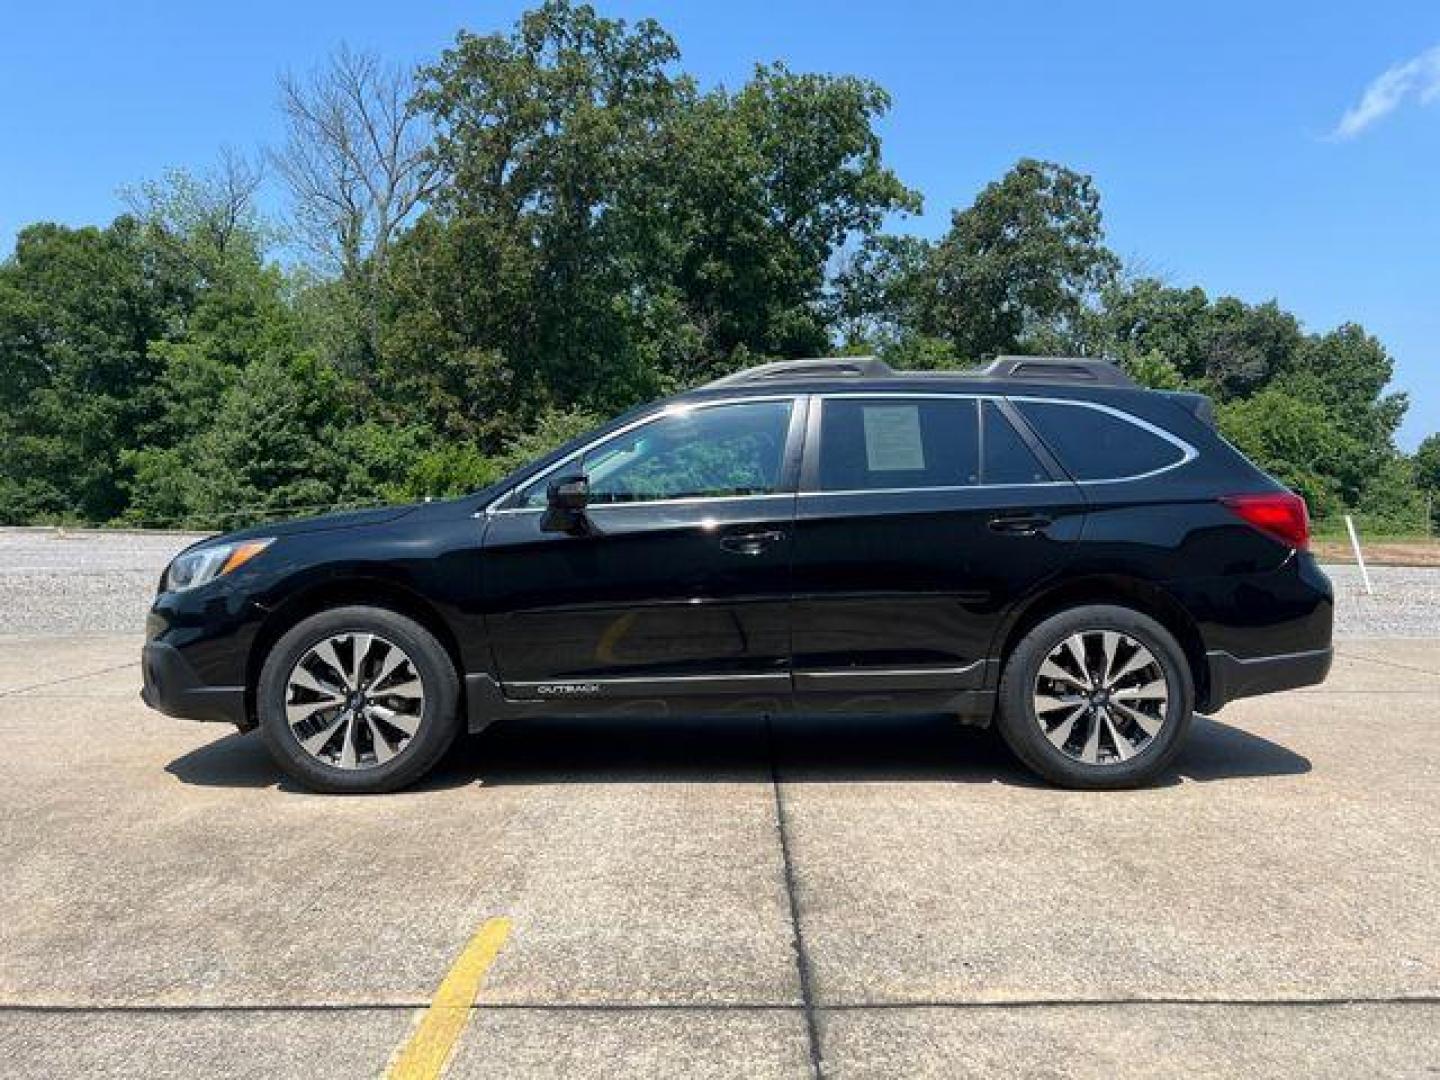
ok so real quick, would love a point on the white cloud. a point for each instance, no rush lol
(1417, 78)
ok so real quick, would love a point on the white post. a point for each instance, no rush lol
(1359, 558)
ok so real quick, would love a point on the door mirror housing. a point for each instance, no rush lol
(570, 494)
(565, 502)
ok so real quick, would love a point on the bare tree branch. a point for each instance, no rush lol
(355, 159)
(201, 217)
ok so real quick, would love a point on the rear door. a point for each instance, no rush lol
(921, 519)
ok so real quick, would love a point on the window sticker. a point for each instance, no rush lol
(892, 438)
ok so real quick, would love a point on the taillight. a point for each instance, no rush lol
(1281, 514)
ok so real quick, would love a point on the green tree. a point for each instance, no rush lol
(1297, 442)
(1427, 474)
(1427, 464)
(1019, 271)
(608, 232)
(78, 311)
(1019, 267)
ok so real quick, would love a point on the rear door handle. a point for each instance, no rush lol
(751, 543)
(1019, 524)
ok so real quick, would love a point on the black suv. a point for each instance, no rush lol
(1040, 543)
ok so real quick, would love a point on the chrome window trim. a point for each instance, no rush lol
(945, 488)
(1188, 452)
(493, 508)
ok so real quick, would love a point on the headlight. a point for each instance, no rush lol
(207, 563)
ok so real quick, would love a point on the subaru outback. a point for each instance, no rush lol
(1041, 545)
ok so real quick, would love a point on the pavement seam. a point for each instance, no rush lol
(802, 959)
(1387, 663)
(68, 679)
(759, 1006)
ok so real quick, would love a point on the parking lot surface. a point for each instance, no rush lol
(784, 897)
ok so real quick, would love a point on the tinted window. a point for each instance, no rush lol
(1006, 458)
(869, 444)
(711, 452)
(1096, 445)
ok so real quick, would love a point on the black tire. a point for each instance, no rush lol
(1022, 729)
(439, 713)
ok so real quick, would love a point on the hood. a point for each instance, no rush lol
(349, 519)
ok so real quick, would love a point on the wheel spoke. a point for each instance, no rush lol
(359, 649)
(303, 710)
(1050, 702)
(348, 757)
(1074, 647)
(1052, 670)
(1124, 749)
(1060, 733)
(411, 688)
(325, 651)
(383, 750)
(393, 659)
(1090, 752)
(400, 721)
(1138, 662)
(315, 743)
(1150, 725)
(1151, 691)
(302, 677)
(1109, 645)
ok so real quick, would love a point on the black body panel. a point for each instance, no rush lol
(663, 591)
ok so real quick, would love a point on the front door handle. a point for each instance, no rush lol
(1026, 524)
(751, 543)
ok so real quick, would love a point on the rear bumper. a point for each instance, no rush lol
(172, 687)
(1232, 677)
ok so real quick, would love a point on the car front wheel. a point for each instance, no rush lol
(357, 699)
(1096, 697)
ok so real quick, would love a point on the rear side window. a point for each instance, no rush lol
(1005, 457)
(870, 444)
(1096, 445)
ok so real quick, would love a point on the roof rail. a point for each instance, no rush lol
(824, 367)
(1070, 369)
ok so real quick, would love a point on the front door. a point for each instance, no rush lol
(920, 520)
(679, 581)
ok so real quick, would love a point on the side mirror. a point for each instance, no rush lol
(566, 499)
(570, 494)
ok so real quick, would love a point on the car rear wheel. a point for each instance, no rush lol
(358, 699)
(1096, 697)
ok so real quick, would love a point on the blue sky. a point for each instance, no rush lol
(1211, 129)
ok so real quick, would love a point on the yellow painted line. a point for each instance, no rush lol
(430, 1047)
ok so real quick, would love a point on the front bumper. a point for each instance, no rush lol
(1232, 677)
(172, 687)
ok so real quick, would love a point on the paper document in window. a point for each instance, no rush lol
(892, 438)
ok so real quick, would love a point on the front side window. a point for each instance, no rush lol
(715, 452)
(1093, 444)
(872, 444)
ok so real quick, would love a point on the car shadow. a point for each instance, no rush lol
(799, 749)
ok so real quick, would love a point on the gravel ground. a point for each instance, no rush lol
(88, 582)
(70, 583)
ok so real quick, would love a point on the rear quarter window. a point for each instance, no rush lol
(1093, 444)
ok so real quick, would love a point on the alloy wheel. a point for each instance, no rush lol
(1100, 697)
(354, 701)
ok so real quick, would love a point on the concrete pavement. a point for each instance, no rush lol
(172, 908)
